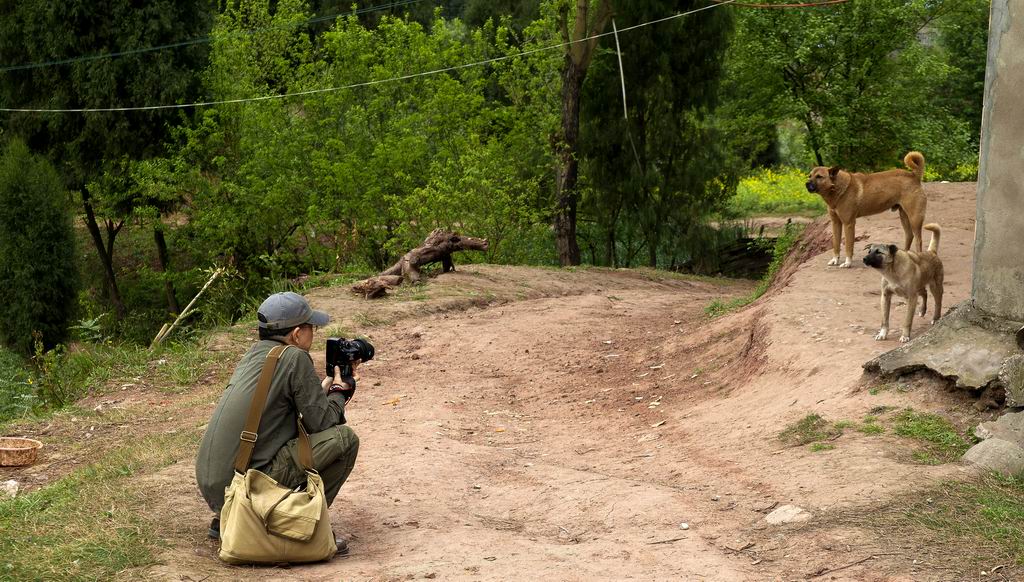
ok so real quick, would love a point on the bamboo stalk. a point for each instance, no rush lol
(166, 330)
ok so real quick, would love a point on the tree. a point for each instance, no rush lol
(424, 153)
(312, 183)
(856, 75)
(963, 36)
(581, 42)
(522, 12)
(90, 149)
(664, 167)
(37, 251)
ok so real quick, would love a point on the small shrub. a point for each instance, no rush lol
(91, 330)
(809, 429)
(776, 192)
(61, 375)
(966, 171)
(17, 386)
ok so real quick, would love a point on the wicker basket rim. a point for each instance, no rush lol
(29, 444)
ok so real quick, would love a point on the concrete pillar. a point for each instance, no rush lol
(998, 286)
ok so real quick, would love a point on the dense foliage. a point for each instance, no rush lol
(861, 78)
(37, 252)
(330, 172)
(661, 165)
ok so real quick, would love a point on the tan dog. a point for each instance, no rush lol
(908, 274)
(852, 195)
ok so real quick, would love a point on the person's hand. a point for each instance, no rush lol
(355, 376)
(329, 381)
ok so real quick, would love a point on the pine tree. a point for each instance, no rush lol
(37, 251)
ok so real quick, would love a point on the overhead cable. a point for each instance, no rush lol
(204, 39)
(793, 5)
(364, 83)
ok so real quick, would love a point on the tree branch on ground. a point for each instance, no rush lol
(437, 247)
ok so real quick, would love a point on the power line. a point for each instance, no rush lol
(204, 39)
(364, 83)
(796, 5)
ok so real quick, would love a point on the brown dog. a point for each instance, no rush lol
(852, 195)
(908, 274)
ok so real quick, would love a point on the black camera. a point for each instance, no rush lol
(342, 352)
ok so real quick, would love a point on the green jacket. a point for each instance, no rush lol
(294, 388)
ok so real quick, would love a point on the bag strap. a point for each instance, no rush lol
(247, 440)
(305, 448)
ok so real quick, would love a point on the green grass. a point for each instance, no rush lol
(819, 447)
(56, 379)
(368, 319)
(871, 428)
(411, 292)
(941, 441)
(92, 524)
(181, 366)
(810, 429)
(783, 244)
(337, 331)
(775, 192)
(983, 519)
(718, 308)
(332, 280)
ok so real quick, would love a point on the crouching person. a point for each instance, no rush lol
(295, 392)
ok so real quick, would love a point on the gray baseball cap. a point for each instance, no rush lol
(287, 310)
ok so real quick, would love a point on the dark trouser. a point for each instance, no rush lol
(334, 455)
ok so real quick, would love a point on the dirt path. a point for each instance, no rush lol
(565, 425)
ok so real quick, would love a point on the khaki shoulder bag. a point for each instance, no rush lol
(263, 522)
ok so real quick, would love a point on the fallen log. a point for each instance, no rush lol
(437, 247)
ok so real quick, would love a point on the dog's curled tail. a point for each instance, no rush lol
(915, 161)
(933, 246)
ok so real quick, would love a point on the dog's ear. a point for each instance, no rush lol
(840, 182)
(893, 249)
(833, 171)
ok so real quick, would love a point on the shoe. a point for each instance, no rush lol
(342, 545)
(214, 532)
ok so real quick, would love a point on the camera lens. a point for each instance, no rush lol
(365, 349)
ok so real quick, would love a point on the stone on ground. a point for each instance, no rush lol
(787, 514)
(997, 455)
(1009, 427)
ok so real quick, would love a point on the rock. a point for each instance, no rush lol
(1009, 427)
(1012, 377)
(996, 454)
(684, 525)
(966, 345)
(787, 514)
(9, 488)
